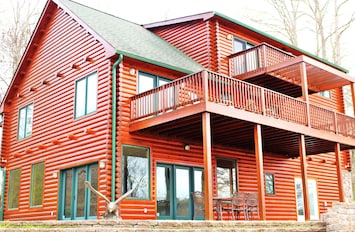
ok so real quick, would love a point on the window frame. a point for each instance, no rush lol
(26, 127)
(326, 94)
(10, 190)
(156, 79)
(33, 182)
(148, 174)
(86, 78)
(273, 183)
(235, 187)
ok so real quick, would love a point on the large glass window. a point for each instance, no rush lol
(135, 167)
(269, 183)
(226, 177)
(86, 95)
(148, 81)
(37, 182)
(14, 188)
(25, 120)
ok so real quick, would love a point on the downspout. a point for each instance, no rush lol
(114, 124)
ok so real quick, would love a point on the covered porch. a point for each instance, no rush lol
(214, 110)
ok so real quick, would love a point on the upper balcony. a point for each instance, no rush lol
(275, 69)
(173, 110)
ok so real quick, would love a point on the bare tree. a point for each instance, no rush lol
(289, 13)
(15, 37)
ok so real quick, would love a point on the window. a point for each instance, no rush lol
(37, 182)
(325, 94)
(25, 120)
(226, 177)
(269, 183)
(247, 62)
(86, 95)
(135, 168)
(14, 188)
(148, 81)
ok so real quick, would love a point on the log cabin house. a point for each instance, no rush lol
(199, 103)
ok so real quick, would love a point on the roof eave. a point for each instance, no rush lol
(157, 63)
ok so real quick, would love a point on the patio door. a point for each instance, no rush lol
(174, 186)
(75, 200)
(313, 199)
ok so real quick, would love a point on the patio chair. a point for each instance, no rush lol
(199, 204)
(238, 204)
(251, 205)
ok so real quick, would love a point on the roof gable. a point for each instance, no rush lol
(131, 39)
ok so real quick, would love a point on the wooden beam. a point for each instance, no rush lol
(339, 173)
(302, 149)
(207, 160)
(260, 169)
(304, 83)
(352, 87)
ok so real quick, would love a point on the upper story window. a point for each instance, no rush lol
(325, 94)
(240, 45)
(86, 95)
(25, 120)
(148, 81)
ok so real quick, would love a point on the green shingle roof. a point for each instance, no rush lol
(133, 40)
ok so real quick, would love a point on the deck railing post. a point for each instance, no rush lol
(263, 107)
(335, 122)
(205, 85)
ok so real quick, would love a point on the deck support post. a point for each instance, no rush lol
(305, 97)
(306, 203)
(339, 173)
(259, 169)
(207, 160)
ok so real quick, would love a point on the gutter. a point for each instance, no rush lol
(114, 124)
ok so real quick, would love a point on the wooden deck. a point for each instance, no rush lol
(174, 110)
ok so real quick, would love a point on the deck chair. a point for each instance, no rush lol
(238, 204)
(251, 205)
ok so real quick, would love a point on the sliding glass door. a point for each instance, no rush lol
(174, 186)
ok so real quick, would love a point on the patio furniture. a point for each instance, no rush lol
(238, 204)
(251, 205)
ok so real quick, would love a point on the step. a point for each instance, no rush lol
(166, 226)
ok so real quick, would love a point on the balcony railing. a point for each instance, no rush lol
(219, 89)
(256, 58)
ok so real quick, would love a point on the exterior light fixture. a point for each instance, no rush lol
(102, 164)
(187, 147)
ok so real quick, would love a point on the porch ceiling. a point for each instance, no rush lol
(320, 77)
(285, 77)
(238, 134)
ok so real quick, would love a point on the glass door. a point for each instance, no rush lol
(76, 201)
(313, 199)
(174, 186)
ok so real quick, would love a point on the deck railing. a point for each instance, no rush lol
(220, 89)
(256, 58)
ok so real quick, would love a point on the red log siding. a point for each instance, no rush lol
(192, 38)
(63, 44)
(281, 206)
